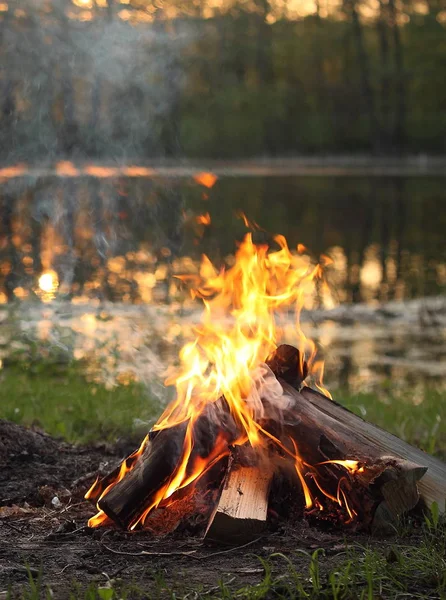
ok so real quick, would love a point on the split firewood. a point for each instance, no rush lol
(241, 512)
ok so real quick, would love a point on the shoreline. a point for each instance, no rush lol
(333, 166)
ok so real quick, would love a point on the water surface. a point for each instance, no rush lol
(120, 238)
(87, 265)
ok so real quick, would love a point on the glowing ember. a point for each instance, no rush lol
(204, 219)
(206, 179)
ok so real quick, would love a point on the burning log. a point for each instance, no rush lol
(432, 486)
(344, 433)
(329, 438)
(314, 437)
(142, 487)
(127, 499)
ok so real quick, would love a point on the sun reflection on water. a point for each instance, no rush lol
(47, 286)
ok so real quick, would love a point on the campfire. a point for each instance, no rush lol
(248, 439)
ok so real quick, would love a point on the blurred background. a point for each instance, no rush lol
(221, 78)
(133, 136)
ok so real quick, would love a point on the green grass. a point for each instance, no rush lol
(358, 573)
(57, 397)
(63, 403)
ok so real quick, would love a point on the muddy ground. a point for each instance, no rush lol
(43, 529)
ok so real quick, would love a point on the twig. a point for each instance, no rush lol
(231, 549)
(189, 553)
(147, 553)
(65, 567)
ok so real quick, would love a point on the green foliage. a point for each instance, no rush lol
(64, 404)
(432, 518)
(256, 80)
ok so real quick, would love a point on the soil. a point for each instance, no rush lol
(43, 529)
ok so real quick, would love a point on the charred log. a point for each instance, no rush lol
(155, 467)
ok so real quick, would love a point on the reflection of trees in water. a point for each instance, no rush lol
(388, 231)
(76, 226)
(384, 227)
(9, 266)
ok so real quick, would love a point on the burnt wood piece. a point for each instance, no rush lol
(125, 502)
(287, 363)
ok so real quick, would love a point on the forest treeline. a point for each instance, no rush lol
(141, 78)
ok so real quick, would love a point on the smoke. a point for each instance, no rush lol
(98, 88)
(102, 89)
(266, 398)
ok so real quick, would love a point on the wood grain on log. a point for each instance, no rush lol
(432, 486)
(242, 510)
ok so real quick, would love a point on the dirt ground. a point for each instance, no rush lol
(43, 529)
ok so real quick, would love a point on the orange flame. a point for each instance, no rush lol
(248, 224)
(206, 179)
(239, 330)
(204, 219)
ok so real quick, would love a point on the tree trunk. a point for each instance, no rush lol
(399, 131)
(367, 91)
(385, 78)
